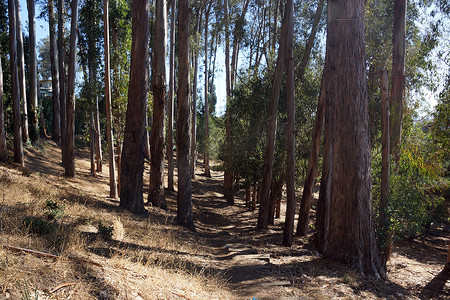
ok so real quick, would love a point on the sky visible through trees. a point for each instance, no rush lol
(429, 95)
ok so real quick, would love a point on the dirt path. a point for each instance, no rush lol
(258, 266)
(254, 262)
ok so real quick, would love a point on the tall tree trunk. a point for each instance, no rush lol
(69, 151)
(55, 77)
(3, 148)
(119, 164)
(92, 143)
(307, 196)
(22, 75)
(15, 88)
(237, 37)
(290, 162)
(273, 42)
(147, 135)
(98, 134)
(116, 119)
(184, 198)
(323, 206)
(398, 77)
(351, 235)
(263, 213)
(384, 224)
(132, 168)
(308, 187)
(33, 68)
(311, 38)
(228, 175)
(207, 169)
(275, 196)
(156, 186)
(62, 77)
(195, 53)
(109, 133)
(170, 164)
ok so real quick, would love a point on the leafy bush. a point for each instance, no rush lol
(105, 231)
(39, 226)
(416, 186)
(54, 210)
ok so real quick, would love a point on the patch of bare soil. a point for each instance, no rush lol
(148, 257)
(256, 265)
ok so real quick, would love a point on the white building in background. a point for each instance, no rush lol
(45, 88)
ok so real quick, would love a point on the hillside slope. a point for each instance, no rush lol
(95, 250)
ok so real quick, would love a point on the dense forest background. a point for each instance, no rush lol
(284, 97)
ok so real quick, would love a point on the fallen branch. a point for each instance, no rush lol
(61, 286)
(43, 254)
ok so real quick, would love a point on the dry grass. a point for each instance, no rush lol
(151, 258)
(144, 259)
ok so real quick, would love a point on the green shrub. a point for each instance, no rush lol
(39, 226)
(54, 210)
(105, 231)
(416, 187)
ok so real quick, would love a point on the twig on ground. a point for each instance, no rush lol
(43, 254)
(61, 286)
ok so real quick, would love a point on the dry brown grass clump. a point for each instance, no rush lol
(101, 252)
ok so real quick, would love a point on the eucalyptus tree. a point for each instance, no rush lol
(345, 230)
(69, 142)
(3, 148)
(195, 52)
(33, 80)
(230, 74)
(290, 95)
(132, 166)
(398, 76)
(90, 34)
(109, 133)
(170, 109)
(22, 75)
(228, 174)
(206, 90)
(385, 243)
(184, 197)
(120, 18)
(55, 72)
(263, 213)
(307, 195)
(156, 185)
(15, 92)
(62, 77)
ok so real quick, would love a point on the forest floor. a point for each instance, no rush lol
(148, 257)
